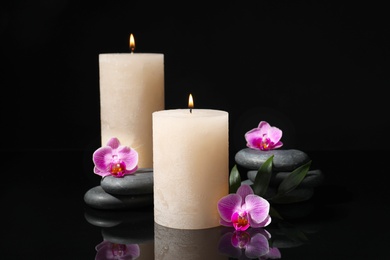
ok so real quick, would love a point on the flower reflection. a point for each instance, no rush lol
(249, 244)
(107, 250)
(274, 253)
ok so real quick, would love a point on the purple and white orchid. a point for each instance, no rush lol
(265, 137)
(244, 209)
(115, 159)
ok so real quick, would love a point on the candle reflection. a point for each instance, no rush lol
(199, 244)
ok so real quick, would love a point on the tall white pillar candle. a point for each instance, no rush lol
(131, 89)
(190, 153)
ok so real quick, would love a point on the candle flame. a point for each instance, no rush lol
(190, 103)
(132, 43)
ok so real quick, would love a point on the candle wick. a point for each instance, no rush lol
(191, 110)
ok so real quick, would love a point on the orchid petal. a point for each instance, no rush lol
(257, 207)
(257, 247)
(253, 231)
(101, 245)
(133, 250)
(275, 134)
(277, 145)
(264, 223)
(228, 205)
(244, 190)
(225, 223)
(252, 137)
(101, 173)
(114, 143)
(225, 246)
(264, 127)
(102, 158)
(128, 156)
(274, 253)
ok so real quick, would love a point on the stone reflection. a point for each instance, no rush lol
(126, 234)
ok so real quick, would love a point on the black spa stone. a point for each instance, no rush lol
(140, 182)
(131, 232)
(111, 218)
(284, 160)
(97, 198)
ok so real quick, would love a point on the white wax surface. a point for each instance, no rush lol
(131, 89)
(191, 168)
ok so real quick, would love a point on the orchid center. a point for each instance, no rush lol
(117, 168)
(118, 250)
(241, 239)
(265, 144)
(240, 220)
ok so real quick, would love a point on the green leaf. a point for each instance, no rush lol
(263, 177)
(290, 198)
(234, 180)
(293, 179)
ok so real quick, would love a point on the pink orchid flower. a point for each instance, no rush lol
(107, 250)
(244, 209)
(115, 159)
(265, 137)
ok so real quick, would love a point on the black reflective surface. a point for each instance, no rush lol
(44, 215)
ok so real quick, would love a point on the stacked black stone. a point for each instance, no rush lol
(284, 162)
(130, 191)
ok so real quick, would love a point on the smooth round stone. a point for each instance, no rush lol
(284, 160)
(111, 218)
(140, 182)
(299, 195)
(313, 178)
(99, 199)
(99, 221)
(131, 232)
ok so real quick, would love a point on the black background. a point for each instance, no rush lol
(316, 69)
(319, 70)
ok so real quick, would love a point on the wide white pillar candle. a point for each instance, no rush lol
(191, 168)
(131, 89)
